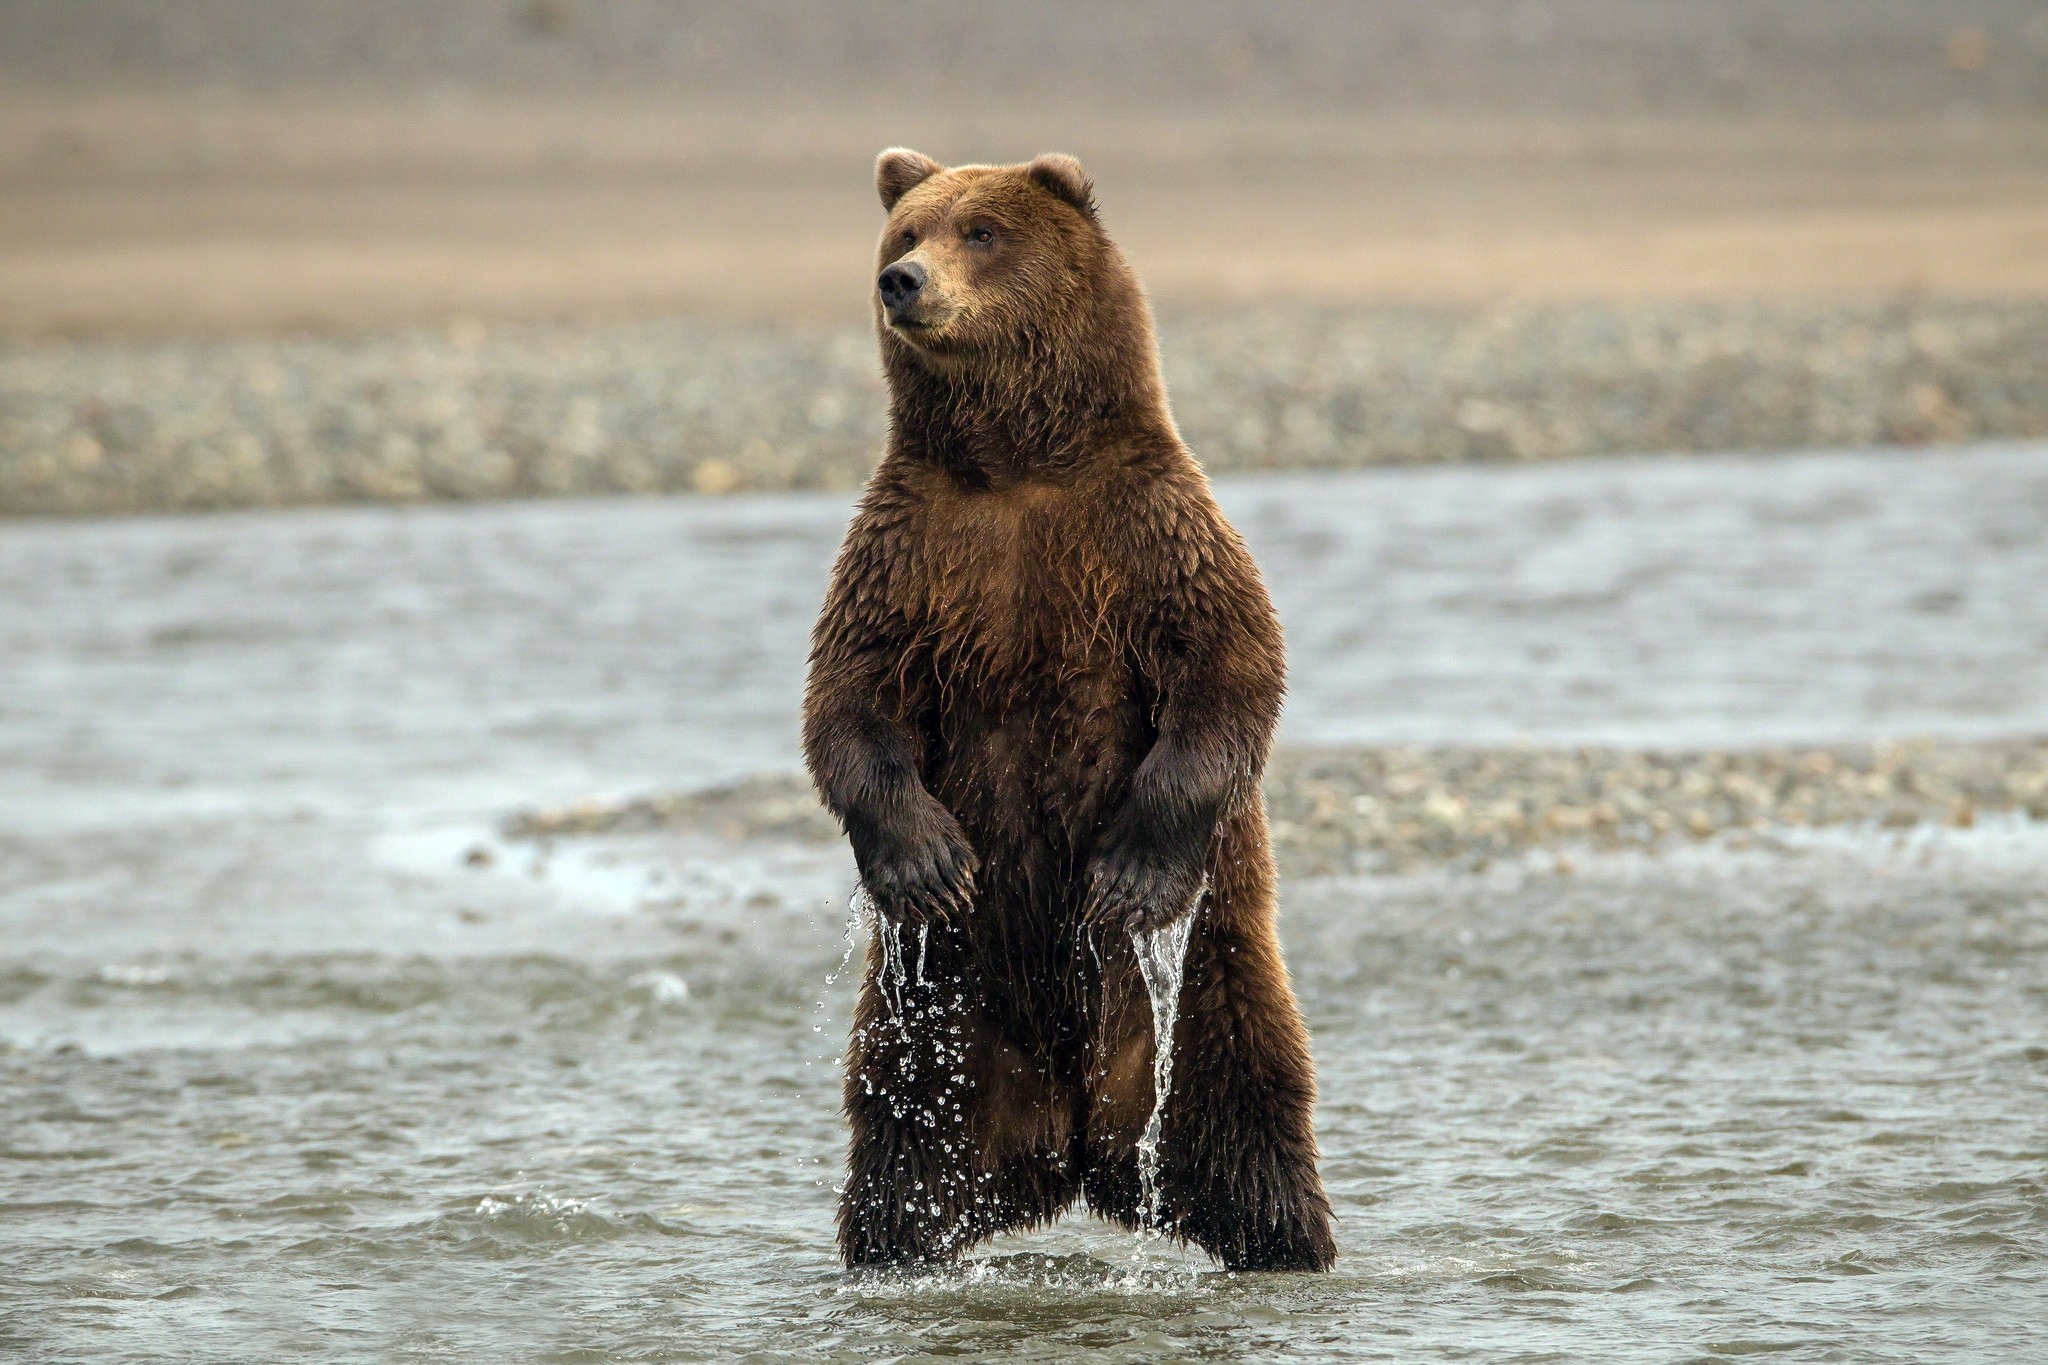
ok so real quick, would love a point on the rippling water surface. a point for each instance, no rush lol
(299, 1061)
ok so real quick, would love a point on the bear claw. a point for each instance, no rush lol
(1137, 894)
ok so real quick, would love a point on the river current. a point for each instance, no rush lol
(300, 1060)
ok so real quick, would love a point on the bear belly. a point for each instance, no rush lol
(1030, 779)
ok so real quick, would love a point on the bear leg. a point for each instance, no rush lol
(1237, 1149)
(956, 1137)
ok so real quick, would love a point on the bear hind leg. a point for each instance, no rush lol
(931, 1172)
(1237, 1174)
(1240, 1149)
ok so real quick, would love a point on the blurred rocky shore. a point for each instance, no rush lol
(1392, 809)
(687, 404)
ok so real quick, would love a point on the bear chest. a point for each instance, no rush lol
(1017, 589)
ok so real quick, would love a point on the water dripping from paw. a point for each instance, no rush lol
(1162, 962)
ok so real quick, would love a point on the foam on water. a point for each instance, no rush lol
(1038, 1275)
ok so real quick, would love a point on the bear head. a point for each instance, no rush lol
(987, 264)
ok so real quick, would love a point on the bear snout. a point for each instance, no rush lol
(900, 286)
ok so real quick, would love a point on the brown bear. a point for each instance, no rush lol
(1041, 692)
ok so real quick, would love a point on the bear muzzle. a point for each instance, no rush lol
(904, 298)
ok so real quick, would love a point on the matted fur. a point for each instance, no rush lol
(1041, 694)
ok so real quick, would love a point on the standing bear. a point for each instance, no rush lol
(1041, 692)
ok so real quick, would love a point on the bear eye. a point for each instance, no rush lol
(909, 237)
(982, 236)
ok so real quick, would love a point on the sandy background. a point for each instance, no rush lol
(224, 167)
(314, 250)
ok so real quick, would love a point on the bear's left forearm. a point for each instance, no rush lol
(1183, 787)
(1220, 676)
(1219, 683)
(1152, 858)
(1151, 861)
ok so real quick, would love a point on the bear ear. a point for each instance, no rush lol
(1063, 176)
(899, 170)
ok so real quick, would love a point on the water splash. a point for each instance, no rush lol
(922, 1074)
(1162, 961)
(894, 975)
(858, 911)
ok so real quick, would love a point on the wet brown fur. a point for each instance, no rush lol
(1042, 689)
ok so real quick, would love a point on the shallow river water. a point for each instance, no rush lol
(285, 1073)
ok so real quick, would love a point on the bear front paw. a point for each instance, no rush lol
(1139, 892)
(924, 878)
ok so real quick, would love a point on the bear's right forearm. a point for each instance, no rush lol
(865, 769)
(913, 858)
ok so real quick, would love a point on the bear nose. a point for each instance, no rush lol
(900, 284)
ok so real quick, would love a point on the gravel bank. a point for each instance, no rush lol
(695, 405)
(1390, 809)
